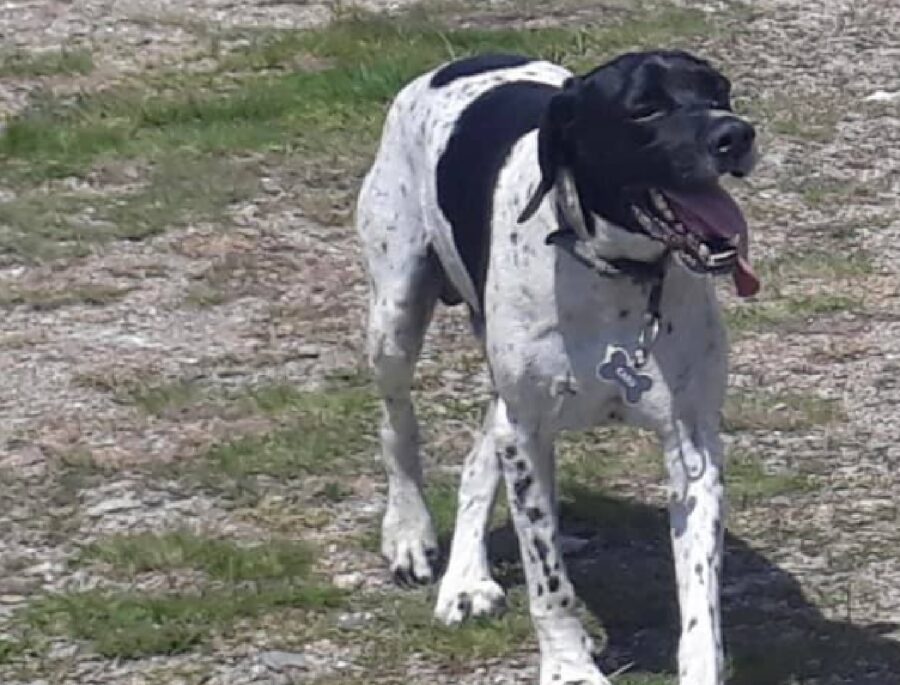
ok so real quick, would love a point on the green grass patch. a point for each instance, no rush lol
(748, 481)
(812, 118)
(133, 625)
(10, 650)
(248, 582)
(64, 62)
(816, 264)
(361, 62)
(166, 399)
(220, 559)
(609, 454)
(406, 626)
(749, 411)
(179, 189)
(46, 299)
(788, 312)
(329, 431)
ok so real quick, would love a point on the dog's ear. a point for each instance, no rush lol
(553, 142)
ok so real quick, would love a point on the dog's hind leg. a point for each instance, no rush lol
(398, 316)
(467, 588)
(405, 280)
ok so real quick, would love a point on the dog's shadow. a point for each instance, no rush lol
(774, 635)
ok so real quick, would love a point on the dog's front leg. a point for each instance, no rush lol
(697, 511)
(529, 470)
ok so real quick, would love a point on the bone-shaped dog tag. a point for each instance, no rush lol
(619, 368)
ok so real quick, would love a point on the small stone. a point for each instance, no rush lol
(353, 620)
(116, 504)
(348, 581)
(280, 661)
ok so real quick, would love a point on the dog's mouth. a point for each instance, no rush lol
(706, 228)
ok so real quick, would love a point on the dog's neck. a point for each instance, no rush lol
(606, 247)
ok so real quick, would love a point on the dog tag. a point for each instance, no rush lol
(619, 369)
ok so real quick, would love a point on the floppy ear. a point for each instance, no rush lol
(553, 142)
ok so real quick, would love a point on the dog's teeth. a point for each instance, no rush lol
(722, 257)
(643, 219)
(661, 205)
(704, 253)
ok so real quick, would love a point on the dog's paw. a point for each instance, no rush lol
(571, 672)
(411, 551)
(458, 601)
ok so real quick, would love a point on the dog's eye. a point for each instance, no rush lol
(647, 113)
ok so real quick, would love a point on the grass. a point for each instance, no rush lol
(748, 481)
(810, 118)
(314, 100)
(46, 299)
(816, 264)
(165, 399)
(406, 627)
(63, 62)
(11, 650)
(220, 559)
(49, 222)
(132, 625)
(611, 454)
(329, 431)
(789, 311)
(248, 581)
(259, 100)
(789, 412)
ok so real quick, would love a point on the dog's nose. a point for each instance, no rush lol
(730, 140)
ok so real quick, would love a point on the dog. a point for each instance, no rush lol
(580, 219)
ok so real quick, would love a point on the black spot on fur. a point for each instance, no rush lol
(514, 238)
(692, 624)
(472, 66)
(521, 466)
(383, 246)
(540, 590)
(464, 604)
(542, 549)
(467, 171)
(521, 487)
(510, 451)
(534, 514)
(566, 601)
(553, 583)
(623, 313)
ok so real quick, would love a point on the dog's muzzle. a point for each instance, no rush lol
(705, 227)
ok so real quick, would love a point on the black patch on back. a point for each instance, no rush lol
(467, 171)
(472, 66)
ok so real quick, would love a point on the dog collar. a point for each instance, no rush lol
(640, 272)
(586, 253)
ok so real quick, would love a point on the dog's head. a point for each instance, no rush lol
(646, 138)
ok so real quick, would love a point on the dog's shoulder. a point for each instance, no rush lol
(501, 99)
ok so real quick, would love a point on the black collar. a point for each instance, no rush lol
(566, 238)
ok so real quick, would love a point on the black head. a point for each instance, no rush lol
(646, 138)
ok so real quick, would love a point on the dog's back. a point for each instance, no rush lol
(446, 137)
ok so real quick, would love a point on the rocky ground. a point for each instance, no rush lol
(151, 386)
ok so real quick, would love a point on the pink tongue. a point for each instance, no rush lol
(713, 212)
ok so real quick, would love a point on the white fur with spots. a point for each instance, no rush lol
(549, 321)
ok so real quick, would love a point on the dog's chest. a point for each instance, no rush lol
(563, 337)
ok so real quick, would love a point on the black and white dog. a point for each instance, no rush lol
(579, 218)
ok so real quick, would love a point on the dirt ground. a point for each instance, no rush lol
(813, 569)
